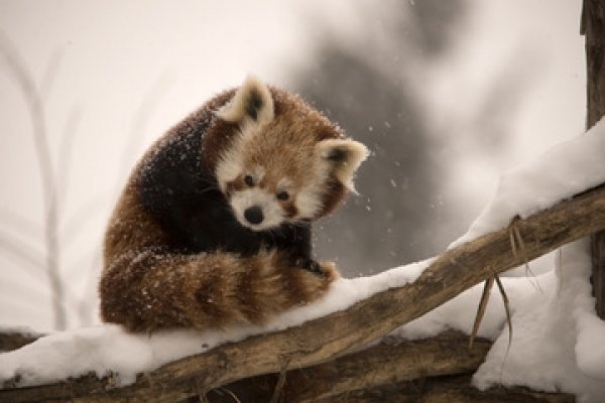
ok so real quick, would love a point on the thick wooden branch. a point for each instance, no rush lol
(326, 338)
(391, 361)
(456, 389)
(385, 364)
(435, 369)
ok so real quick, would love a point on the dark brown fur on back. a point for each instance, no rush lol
(145, 286)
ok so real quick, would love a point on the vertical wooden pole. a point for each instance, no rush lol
(593, 28)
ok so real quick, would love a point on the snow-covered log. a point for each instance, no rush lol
(342, 332)
(434, 369)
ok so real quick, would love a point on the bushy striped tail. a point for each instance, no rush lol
(147, 290)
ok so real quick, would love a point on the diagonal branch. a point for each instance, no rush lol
(334, 335)
(25, 252)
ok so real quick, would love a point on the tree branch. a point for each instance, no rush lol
(32, 96)
(334, 335)
(391, 361)
(449, 389)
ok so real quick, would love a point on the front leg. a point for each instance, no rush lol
(297, 244)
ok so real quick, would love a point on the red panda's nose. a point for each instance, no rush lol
(254, 215)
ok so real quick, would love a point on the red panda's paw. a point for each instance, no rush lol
(324, 269)
(305, 286)
(309, 264)
(329, 271)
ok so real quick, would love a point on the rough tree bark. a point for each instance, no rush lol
(593, 27)
(450, 389)
(431, 370)
(389, 362)
(342, 332)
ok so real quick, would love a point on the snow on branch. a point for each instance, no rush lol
(554, 200)
(342, 332)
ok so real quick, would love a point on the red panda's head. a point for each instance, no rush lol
(285, 161)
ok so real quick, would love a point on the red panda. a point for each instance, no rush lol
(213, 227)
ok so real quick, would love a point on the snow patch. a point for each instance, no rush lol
(556, 338)
(590, 349)
(565, 170)
(459, 313)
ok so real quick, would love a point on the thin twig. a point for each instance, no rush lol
(489, 283)
(65, 154)
(50, 74)
(281, 380)
(231, 394)
(26, 253)
(506, 302)
(35, 106)
(516, 238)
(20, 225)
(141, 119)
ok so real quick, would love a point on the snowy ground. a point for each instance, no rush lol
(557, 340)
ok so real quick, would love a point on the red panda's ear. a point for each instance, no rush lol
(343, 157)
(252, 103)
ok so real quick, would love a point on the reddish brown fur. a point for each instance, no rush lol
(333, 197)
(152, 290)
(287, 140)
(145, 286)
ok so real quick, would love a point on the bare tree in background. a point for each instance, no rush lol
(49, 179)
(61, 229)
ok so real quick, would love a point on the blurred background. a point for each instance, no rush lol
(447, 94)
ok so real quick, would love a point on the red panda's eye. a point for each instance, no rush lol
(283, 196)
(249, 180)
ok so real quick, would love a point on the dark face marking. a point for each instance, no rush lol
(254, 104)
(338, 155)
(235, 185)
(336, 194)
(290, 210)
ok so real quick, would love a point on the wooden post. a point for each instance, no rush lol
(593, 28)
